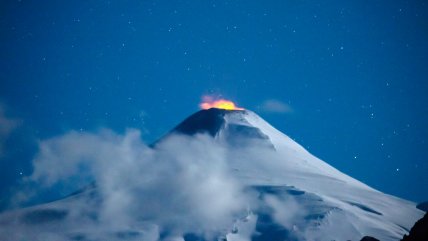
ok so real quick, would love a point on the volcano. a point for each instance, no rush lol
(294, 195)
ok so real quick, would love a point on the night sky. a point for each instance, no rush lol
(346, 79)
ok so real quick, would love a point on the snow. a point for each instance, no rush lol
(367, 211)
(293, 195)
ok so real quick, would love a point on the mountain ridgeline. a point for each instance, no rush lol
(267, 188)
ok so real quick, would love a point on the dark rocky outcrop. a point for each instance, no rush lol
(368, 238)
(423, 206)
(419, 232)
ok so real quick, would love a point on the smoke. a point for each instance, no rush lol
(7, 126)
(275, 106)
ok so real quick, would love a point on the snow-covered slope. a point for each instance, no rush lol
(292, 194)
(346, 202)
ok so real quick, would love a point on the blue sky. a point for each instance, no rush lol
(346, 79)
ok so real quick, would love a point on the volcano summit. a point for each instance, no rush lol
(219, 175)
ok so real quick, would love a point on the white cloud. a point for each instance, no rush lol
(182, 185)
(275, 106)
(7, 126)
(285, 211)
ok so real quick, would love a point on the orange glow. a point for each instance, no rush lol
(209, 102)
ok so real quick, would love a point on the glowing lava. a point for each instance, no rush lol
(209, 102)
